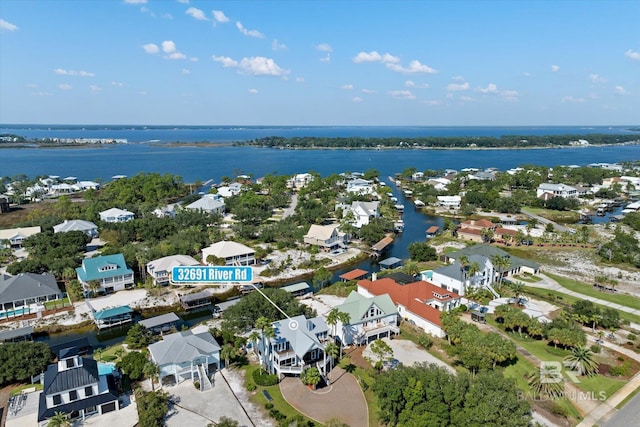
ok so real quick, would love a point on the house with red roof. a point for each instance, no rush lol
(420, 303)
(473, 229)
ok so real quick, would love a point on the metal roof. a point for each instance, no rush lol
(111, 312)
(163, 319)
(182, 347)
(16, 333)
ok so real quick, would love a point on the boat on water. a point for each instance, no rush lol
(408, 193)
(399, 207)
(398, 226)
(418, 203)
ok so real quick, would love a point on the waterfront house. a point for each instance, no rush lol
(370, 318)
(75, 386)
(116, 215)
(230, 190)
(232, 253)
(209, 203)
(449, 202)
(187, 355)
(363, 212)
(195, 300)
(300, 180)
(168, 211)
(432, 231)
(15, 236)
(353, 274)
(439, 184)
(161, 268)
(474, 230)
(548, 190)
(360, 186)
(87, 227)
(420, 303)
(109, 271)
(86, 185)
(162, 323)
(26, 293)
(454, 278)
(111, 317)
(327, 237)
(298, 343)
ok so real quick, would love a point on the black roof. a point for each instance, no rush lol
(59, 381)
(402, 278)
(81, 344)
(112, 395)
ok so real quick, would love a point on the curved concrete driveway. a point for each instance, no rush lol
(342, 400)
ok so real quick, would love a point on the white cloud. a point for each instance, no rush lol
(225, 61)
(135, 1)
(7, 26)
(411, 83)
(324, 47)
(402, 94)
(117, 84)
(527, 74)
(65, 86)
(571, 99)
(143, 92)
(256, 65)
(454, 87)
(555, 68)
(219, 16)
(432, 102)
(368, 91)
(491, 88)
(80, 73)
(374, 56)
(326, 58)
(194, 59)
(619, 90)
(466, 98)
(414, 67)
(510, 95)
(176, 55)
(632, 54)
(299, 79)
(31, 85)
(596, 78)
(196, 14)
(41, 94)
(183, 1)
(185, 72)
(457, 78)
(356, 99)
(253, 90)
(250, 33)
(346, 87)
(168, 46)
(151, 48)
(95, 88)
(275, 45)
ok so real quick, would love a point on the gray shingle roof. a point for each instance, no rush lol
(27, 285)
(300, 332)
(489, 251)
(183, 347)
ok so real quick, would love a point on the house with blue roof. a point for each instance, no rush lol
(109, 271)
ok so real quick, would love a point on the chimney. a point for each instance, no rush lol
(374, 276)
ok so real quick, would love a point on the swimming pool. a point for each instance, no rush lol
(13, 313)
(106, 368)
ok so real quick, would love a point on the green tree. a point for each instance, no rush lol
(151, 371)
(152, 407)
(422, 251)
(226, 422)
(331, 350)
(582, 360)
(59, 419)
(20, 361)
(138, 337)
(266, 332)
(311, 376)
(547, 381)
(227, 353)
(321, 277)
(382, 351)
(133, 364)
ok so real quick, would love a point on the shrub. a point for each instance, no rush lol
(596, 348)
(250, 386)
(268, 406)
(196, 384)
(425, 342)
(559, 410)
(264, 379)
(277, 415)
(632, 337)
(463, 308)
(618, 371)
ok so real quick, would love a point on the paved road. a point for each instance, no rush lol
(288, 211)
(541, 220)
(627, 416)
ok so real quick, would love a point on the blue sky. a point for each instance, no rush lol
(426, 63)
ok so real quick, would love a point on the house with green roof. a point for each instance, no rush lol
(370, 318)
(109, 273)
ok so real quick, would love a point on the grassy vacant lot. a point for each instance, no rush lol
(585, 289)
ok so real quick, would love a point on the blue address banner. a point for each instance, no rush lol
(208, 274)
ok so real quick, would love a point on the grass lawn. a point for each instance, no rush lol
(528, 278)
(558, 298)
(600, 383)
(110, 354)
(51, 305)
(580, 287)
(278, 400)
(16, 391)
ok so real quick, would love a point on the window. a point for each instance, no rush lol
(88, 391)
(71, 363)
(73, 395)
(57, 399)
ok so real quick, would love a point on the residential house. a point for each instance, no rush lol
(449, 202)
(87, 227)
(360, 186)
(15, 236)
(300, 180)
(161, 268)
(454, 278)
(327, 237)
(116, 215)
(233, 253)
(162, 323)
(439, 184)
(548, 190)
(474, 230)
(209, 203)
(420, 303)
(230, 190)
(187, 355)
(195, 300)
(369, 319)
(26, 293)
(109, 271)
(86, 185)
(75, 386)
(505, 235)
(168, 211)
(298, 343)
(483, 176)
(417, 176)
(363, 212)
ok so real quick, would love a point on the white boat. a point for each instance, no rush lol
(418, 203)
(399, 207)
(408, 193)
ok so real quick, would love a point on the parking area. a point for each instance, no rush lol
(408, 353)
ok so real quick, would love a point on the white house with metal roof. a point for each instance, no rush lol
(87, 227)
(233, 253)
(298, 343)
(556, 190)
(363, 212)
(116, 215)
(160, 269)
(369, 319)
(209, 203)
(187, 355)
(110, 271)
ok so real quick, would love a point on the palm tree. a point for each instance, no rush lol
(59, 419)
(97, 354)
(501, 264)
(151, 371)
(254, 336)
(332, 320)
(344, 318)
(517, 289)
(93, 286)
(267, 332)
(331, 350)
(547, 381)
(474, 269)
(464, 262)
(581, 359)
(227, 352)
(311, 376)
